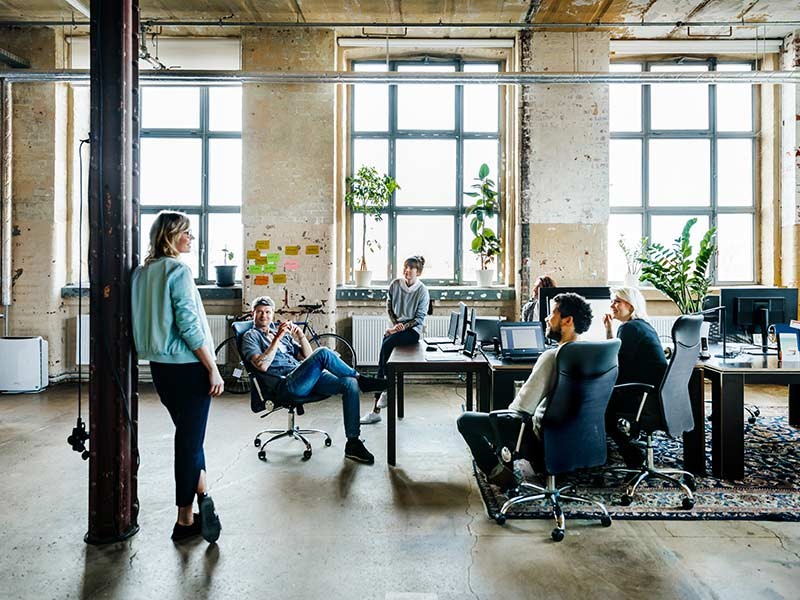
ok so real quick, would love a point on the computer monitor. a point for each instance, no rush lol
(599, 299)
(487, 328)
(463, 321)
(752, 310)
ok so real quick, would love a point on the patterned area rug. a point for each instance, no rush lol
(770, 490)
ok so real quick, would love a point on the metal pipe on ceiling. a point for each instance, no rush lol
(419, 25)
(354, 77)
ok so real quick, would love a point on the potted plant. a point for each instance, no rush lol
(368, 193)
(226, 274)
(486, 244)
(632, 255)
(674, 272)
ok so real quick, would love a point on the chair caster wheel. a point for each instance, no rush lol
(625, 500)
(499, 518)
(328, 442)
(306, 454)
(605, 521)
(687, 503)
(557, 535)
(262, 455)
(257, 443)
(751, 420)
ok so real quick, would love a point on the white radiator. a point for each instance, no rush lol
(368, 333)
(663, 326)
(219, 325)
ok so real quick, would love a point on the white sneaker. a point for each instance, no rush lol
(383, 400)
(370, 418)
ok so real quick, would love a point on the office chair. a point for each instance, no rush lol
(268, 394)
(573, 433)
(674, 414)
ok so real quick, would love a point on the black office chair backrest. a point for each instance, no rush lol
(270, 386)
(676, 409)
(573, 426)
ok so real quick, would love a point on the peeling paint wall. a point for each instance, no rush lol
(564, 159)
(288, 158)
(39, 193)
(790, 168)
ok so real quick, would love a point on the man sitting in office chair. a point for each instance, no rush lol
(283, 350)
(570, 315)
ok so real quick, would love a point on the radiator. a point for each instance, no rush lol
(663, 326)
(368, 333)
(219, 325)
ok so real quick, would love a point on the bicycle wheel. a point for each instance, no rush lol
(339, 345)
(231, 368)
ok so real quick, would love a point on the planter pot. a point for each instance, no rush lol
(632, 280)
(363, 278)
(226, 274)
(485, 277)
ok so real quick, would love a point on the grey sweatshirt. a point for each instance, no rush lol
(408, 305)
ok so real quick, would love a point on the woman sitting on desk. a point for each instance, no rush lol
(407, 302)
(641, 360)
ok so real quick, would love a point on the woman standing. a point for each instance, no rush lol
(170, 330)
(641, 360)
(407, 302)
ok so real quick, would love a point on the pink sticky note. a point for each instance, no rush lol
(291, 264)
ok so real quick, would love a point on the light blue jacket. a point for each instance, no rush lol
(169, 321)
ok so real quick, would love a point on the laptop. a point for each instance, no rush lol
(452, 332)
(521, 341)
(467, 352)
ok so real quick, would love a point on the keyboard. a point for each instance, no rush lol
(450, 347)
(522, 358)
(438, 340)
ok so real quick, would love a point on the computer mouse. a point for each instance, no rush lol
(431, 348)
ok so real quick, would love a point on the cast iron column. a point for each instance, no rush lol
(113, 463)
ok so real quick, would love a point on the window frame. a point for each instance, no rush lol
(713, 210)
(392, 134)
(204, 133)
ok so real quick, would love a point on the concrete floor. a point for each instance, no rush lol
(331, 528)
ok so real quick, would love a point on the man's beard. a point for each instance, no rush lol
(553, 334)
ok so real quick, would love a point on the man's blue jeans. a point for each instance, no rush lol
(325, 373)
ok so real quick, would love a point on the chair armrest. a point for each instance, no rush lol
(495, 417)
(645, 387)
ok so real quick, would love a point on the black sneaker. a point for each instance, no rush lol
(502, 477)
(209, 520)
(184, 532)
(354, 449)
(371, 384)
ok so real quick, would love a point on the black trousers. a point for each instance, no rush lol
(183, 389)
(477, 431)
(407, 337)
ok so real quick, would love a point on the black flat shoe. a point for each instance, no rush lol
(184, 532)
(371, 384)
(209, 520)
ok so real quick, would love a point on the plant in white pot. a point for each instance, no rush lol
(368, 193)
(632, 255)
(226, 274)
(486, 244)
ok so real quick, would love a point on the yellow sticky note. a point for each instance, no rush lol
(312, 249)
(292, 250)
(251, 254)
(262, 279)
(262, 244)
(279, 278)
(261, 260)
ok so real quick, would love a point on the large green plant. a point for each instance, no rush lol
(486, 244)
(368, 193)
(676, 273)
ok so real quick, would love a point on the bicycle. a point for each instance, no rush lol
(232, 369)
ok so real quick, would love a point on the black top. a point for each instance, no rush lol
(641, 356)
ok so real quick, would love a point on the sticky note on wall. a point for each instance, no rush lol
(262, 244)
(262, 279)
(254, 269)
(291, 264)
(312, 249)
(279, 278)
(292, 250)
(273, 258)
(251, 254)
(270, 268)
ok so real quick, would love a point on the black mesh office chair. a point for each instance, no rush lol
(672, 413)
(573, 432)
(268, 395)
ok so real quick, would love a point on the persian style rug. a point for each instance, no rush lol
(770, 490)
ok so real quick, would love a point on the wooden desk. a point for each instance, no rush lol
(728, 377)
(503, 375)
(411, 359)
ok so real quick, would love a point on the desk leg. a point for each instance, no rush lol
(484, 391)
(391, 425)
(794, 405)
(727, 427)
(694, 449)
(469, 390)
(401, 401)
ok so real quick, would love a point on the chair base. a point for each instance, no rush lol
(291, 431)
(553, 495)
(649, 471)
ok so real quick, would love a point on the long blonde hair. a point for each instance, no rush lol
(164, 234)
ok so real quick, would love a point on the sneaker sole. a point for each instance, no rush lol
(360, 459)
(209, 521)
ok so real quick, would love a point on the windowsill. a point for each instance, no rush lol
(207, 292)
(444, 293)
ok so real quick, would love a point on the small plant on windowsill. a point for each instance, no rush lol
(226, 274)
(368, 193)
(486, 244)
(632, 255)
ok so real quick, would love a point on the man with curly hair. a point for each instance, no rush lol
(570, 315)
